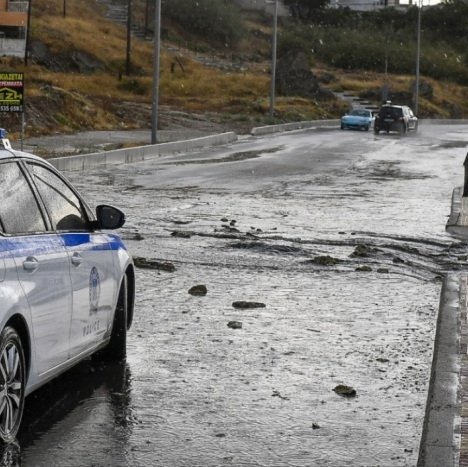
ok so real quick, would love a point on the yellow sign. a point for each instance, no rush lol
(11, 92)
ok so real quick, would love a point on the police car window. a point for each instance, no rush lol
(19, 210)
(64, 206)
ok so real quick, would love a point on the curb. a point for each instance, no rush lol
(128, 155)
(457, 222)
(265, 130)
(441, 121)
(441, 438)
(268, 129)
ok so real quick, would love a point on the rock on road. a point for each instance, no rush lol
(340, 235)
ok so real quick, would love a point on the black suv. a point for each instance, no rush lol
(395, 118)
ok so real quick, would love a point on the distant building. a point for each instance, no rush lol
(13, 25)
(265, 5)
(367, 5)
(360, 5)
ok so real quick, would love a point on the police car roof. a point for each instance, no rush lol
(12, 153)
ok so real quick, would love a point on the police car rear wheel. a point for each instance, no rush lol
(12, 382)
(117, 348)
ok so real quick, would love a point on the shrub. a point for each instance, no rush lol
(214, 19)
(290, 43)
(372, 48)
(134, 86)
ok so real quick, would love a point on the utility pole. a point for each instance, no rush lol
(129, 37)
(418, 57)
(273, 60)
(156, 60)
(385, 86)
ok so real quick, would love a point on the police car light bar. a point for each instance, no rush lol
(3, 139)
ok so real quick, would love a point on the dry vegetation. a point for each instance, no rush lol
(232, 90)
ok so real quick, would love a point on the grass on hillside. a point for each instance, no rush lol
(184, 83)
(68, 101)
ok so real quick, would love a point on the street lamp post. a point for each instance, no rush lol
(418, 57)
(156, 60)
(273, 61)
(28, 36)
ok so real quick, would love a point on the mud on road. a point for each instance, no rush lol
(347, 260)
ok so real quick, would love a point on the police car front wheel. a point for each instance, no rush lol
(117, 348)
(12, 383)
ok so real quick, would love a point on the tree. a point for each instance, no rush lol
(304, 10)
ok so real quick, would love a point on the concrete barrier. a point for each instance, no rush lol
(122, 156)
(440, 121)
(265, 130)
(140, 153)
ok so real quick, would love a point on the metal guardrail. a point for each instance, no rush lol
(14, 47)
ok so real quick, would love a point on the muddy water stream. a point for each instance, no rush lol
(340, 235)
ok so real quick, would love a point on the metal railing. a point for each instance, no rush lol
(18, 6)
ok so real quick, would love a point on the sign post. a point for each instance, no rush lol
(12, 95)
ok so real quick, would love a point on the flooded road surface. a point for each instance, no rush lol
(334, 242)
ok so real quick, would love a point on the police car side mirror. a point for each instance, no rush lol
(109, 217)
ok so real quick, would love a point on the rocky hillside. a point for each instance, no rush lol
(82, 74)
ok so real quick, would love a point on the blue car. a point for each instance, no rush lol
(358, 119)
(66, 283)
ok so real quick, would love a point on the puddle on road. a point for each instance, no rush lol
(453, 144)
(234, 157)
(205, 394)
(267, 388)
(388, 170)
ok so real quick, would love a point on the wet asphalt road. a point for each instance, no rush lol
(340, 235)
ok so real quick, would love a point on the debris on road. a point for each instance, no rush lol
(234, 325)
(383, 271)
(325, 260)
(346, 391)
(181, 234)
(361, 251)
(247, 305)
(198, 290)
(277, 394)
(145, 263)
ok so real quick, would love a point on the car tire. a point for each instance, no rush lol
(366, 128)
(12, 384)
(116, 350)
(403, 129)
(342, 126)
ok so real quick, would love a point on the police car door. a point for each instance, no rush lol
(90, 257)
(41, 266)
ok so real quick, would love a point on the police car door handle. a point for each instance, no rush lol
(30, 263)
(76, 259)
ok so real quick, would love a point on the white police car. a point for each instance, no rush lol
(66, 285)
